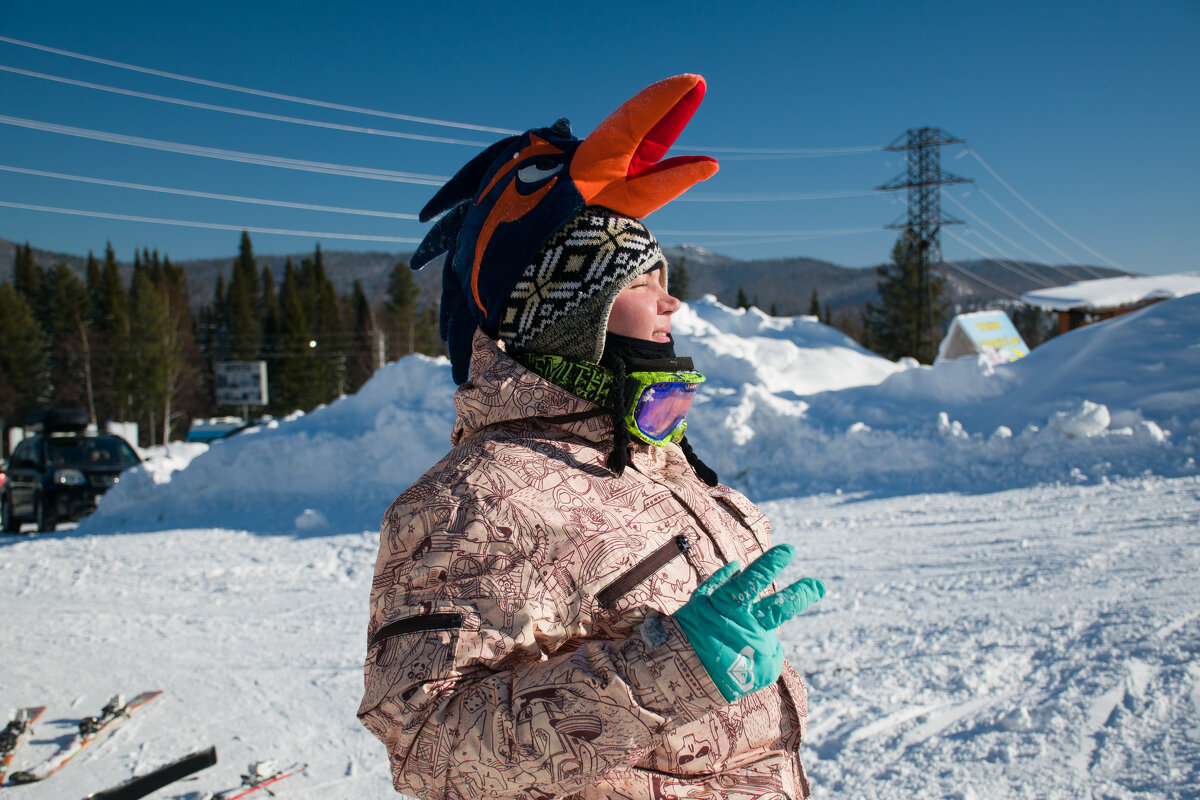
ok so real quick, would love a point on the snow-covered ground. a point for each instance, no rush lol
(1011, 555)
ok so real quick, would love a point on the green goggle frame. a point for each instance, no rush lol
(658, 400)
(659, 404)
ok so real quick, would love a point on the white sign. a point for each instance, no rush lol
(241, 383)
(987, 333)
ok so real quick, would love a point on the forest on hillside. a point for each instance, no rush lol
(141, 351)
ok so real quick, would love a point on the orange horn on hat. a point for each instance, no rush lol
(618, 165)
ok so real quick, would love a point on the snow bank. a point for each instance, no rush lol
(791, 407)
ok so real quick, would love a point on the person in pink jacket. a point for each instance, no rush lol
(559, 608)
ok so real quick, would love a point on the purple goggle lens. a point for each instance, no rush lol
(661, 408)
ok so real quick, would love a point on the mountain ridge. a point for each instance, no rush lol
(785, 284)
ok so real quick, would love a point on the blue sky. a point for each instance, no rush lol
(1081, 119)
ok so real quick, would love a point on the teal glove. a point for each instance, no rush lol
(733, 632)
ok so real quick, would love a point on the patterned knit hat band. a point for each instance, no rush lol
(562, 301)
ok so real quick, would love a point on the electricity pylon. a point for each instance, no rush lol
(923, 182)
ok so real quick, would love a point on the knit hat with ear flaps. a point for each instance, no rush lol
(498, 213)
(563, 299)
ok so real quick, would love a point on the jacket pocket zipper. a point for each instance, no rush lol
(679, 545)
(417, 624)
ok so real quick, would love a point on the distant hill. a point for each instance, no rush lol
(785, 283)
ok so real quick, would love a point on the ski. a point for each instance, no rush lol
(143, 785)
(15, 733)
(113, 714)
(260, 776)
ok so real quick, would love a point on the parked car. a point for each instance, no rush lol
(58, 474)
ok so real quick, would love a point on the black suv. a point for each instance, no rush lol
(58, 474)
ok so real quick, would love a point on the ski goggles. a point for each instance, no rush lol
(660, 403)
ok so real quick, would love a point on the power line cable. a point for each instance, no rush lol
(971, 274)
(230, 155)
(1037, 211)
(767, 154)
(1008, 262)
(997, 233)
(209, 195)
(256, 92)
(768, 197)
(1066, 258)
(240, 111)
(790, 234)
(800, 152)
(210, 225)
(781, 238)
(734, 153)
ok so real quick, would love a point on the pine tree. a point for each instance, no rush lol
(69, 329)
(245, 319)
(400, 312)
(680, 281)
(153, 347)
(27, 277)
(24, 357)
(742, 300)
(114, 354)
(187, 394)
(814, 305)
(296, 358)
(367, 350)
(323, 313)
(908, 319)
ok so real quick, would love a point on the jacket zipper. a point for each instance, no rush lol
(685, 544)
(644, 569)
(417, 624)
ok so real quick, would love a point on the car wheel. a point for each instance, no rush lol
(7, 521)
(45, 516)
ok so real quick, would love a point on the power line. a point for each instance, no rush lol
(231, 155)
(733, 153)
(971, 274)
(240, 111)
(801, 152)
(796, 236)
(1066, 258)
(981, 221)
(256, 92)
(210, 195)
(789, 234)
(1035, 210)
(777, 154)
(210, 225)
(1013, 267)
(768, 197)
(1007, 263)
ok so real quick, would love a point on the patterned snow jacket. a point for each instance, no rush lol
(506, 656)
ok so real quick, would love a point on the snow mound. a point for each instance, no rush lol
(791, 407)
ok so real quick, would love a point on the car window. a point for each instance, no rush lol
(27, 452)
(111, 450)
(92, 451)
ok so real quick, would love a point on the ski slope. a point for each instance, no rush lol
(1010, 552)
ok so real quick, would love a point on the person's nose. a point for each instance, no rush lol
(667, 304)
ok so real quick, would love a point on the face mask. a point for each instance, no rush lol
(658, 407)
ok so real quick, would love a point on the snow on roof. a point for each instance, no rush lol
(1115, 292)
